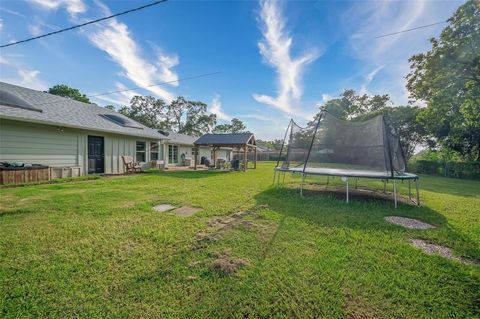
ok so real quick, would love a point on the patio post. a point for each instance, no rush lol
(245, 158)
(196, 157)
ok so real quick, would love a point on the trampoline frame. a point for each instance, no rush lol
(394, 175)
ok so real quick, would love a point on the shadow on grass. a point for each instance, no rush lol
(325, 210)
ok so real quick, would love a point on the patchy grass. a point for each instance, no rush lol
(97, 249)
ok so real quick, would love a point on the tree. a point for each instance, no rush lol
(180, 116)
(110, 107)
(447, 78)
(350, 104)
(235, 126)
(68, 92)
(146, 110)
(189, 117)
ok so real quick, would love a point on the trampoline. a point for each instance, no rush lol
(330, 146)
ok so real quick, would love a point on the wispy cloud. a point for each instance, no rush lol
(366, 20)
(72, 6)
(275, 48)
(216, 108)
(21, 75)
(116, 99)
(117, 41)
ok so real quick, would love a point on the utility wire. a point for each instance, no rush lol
(84, 24)
(156, 84)
(416, 28)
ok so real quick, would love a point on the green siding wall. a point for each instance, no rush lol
(45, 144)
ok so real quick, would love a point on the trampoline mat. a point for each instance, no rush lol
(347, 172)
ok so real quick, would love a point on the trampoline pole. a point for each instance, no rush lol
(328, 179)
(356, 181)
(384, 186)
(395, 191)
(347, 189)
(418, 194)
(274, 177)
(301, 185)
(283, 181)
(409, 190)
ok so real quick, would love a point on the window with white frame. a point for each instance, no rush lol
(154, 151)
(141, 151)
(172, 154)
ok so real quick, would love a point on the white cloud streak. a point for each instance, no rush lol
(20, 74)
(216, 108)
(117, 41)
(275, 48)
(72, 6)
(366, 20)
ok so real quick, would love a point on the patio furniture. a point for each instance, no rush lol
(130, 165)
(220, 164)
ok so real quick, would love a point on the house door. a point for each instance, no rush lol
(95, 155)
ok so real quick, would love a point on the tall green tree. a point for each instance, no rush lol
(447, 78)
(147, 110)
(180, 116)
(403, 120)
(68, 92)
(350, 104)
(235, 126)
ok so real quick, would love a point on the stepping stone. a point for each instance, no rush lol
(433, 249)
(186, 211)
(163, 207)
(408, 222)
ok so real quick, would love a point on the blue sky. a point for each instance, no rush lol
(277, 59)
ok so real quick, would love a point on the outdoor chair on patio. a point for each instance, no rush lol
(130, 165)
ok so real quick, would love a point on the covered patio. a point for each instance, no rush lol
(243, 142)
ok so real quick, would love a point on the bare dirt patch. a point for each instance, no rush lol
(219, 225)
(163, 207)
(227, 265)
(186, 211)
(408, 222)
(433, 249)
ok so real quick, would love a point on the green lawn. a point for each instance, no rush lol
(95, 249)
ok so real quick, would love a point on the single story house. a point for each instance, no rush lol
(41, 128)
(179, 150)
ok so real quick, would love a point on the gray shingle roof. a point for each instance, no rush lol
(61, 111)
(177, 138)
(224, 139)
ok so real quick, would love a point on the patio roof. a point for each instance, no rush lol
(227, 140)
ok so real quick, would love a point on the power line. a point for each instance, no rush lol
(157, 84)
(84, 24)
(416, 28)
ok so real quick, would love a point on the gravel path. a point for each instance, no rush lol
(408, 222)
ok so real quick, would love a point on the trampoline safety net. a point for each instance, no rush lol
(332, 143)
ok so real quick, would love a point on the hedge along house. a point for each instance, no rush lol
(180, 150)
(41, 128)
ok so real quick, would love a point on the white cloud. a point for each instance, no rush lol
(116, 40)
(34, 30)
(72, 6)
(367, 20)
(216, 108)
(16, 73)
(275, 48)
(117, 99)
(326, 98)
